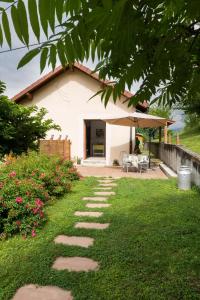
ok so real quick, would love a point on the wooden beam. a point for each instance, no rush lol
(165, 134)
(160, 134)
(29, 96)
(177, 139)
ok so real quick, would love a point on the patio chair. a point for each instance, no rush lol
(130, 161)
(143, 163)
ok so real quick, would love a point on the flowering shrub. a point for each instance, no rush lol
(25, 188)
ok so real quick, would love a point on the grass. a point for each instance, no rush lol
(191, 141)
(150, 251)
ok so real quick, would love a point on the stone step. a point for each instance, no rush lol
(95, 214)
(103, 188)
(94, 162)
(94, 198)
(105, 181)
(107, 184)
(92, 225)
(36, 292)
(97, 205)
(80, 241)
(104, 193)
(75, 264)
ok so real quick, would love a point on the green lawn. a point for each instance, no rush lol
(191, 141)
(150, 251)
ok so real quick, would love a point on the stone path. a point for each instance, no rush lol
(74, 241)
(94, 198)
(108, 184)
(88, 225)
(76, 263)
(35, 292)
(97, 205)
(96, 214)
(104, 193)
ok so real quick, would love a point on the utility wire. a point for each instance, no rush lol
(8, 7)
(22, 47)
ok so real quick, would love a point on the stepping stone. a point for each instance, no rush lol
(36, 292)
(104, 193)
(76, 264)
(74, 241)
(103, 188)
(108, 184)
(96, 214)
(94, 198)
(106, 181)
(88, 225)
(97, 205)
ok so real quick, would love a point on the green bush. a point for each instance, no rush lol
(26, 184)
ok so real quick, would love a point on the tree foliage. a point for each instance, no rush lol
(21, 127)
(156, 41)
(160, 111)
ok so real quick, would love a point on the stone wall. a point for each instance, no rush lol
(174, 156)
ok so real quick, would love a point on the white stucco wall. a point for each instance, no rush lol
(67, 100)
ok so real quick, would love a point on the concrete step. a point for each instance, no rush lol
(94, 162)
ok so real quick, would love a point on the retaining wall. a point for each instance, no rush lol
(175, 155)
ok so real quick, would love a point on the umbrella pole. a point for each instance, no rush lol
(149, 150)
(131, 142)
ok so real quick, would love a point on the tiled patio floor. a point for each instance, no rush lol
(116, 172)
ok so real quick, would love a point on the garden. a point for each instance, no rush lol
(150, 250)
(28, 183)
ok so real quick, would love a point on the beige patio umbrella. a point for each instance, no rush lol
(137, 119)
(141, 120)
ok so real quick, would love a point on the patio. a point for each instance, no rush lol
(117, 172)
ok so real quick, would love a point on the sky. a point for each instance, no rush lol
(16, 80)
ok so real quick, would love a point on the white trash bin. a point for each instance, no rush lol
(184, 178)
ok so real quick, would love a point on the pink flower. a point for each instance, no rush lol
(19, 200)
(42, 175)
(12, 174)
(35, 210)
(33, 233)
(18, 222)
(38, 202)
(41, 214)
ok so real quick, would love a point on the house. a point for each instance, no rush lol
(65, 93)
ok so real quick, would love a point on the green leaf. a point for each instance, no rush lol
(43, 11)
(33, 14)
(69, 49)
(16, 23)
(59, 10)
(23, 21)
(6, 28)
(52, 12)
(28, 57)
(52, 57)
(1, 36)
(108, 94)
(61, 53)
(43, 59)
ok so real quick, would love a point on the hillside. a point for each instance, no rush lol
(191, 140)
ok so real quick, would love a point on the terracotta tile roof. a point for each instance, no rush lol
(59, 70)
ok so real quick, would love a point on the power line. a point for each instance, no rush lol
(22, 47)
(31, 45)
(9, 6)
